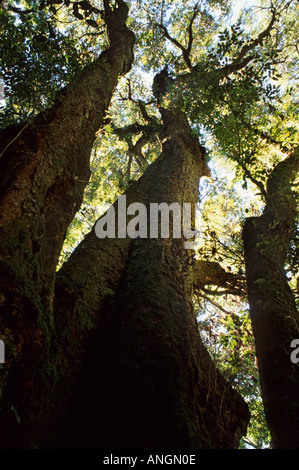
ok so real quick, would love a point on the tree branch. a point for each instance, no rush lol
(185, 50)
(148, 131)
(142, 106)
(212, 273)
(19, 11)
(148, 135)
(247, 172)
(242, 60)
(190, 37)
(223, 292)
(205, 297)
(140, 103)
(170, 38)
(266, 137)
(135, 128)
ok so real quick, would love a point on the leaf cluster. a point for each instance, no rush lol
(29, 41)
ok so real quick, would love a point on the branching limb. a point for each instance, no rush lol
(140, 103)
(266, 137)
(18, 10)
(148, 135)
(170, 38)
(250, 176)
(200, 295)
(145, 133)
(190, 37)
(239, 160)
(142, 106)
(212, 273)
(186, 51)
(217, 292)
(243, 59)
(132, 129)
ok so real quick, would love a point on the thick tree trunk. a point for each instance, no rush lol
(146, 381)
(105, 353)
(274, 316)
(44, 168)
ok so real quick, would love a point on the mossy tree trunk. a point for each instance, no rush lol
(44, 169)
(274, 316)
(147, 380)
(105, 353)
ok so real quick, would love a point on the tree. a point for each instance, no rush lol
(106, 352)
(272, 304)
(45, 167)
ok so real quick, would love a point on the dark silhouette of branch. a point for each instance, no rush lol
(243, 59)
(185, 50)
(266, 137)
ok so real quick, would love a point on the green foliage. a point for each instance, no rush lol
(29, 42)
(229, 339)
(248, 111)
(246, 117)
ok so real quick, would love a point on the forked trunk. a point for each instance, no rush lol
(106, 352)
(147, 381)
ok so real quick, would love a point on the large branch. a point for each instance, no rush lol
(64, 135)
(243, 59)
(211, 273)
(185, 50)
(44, 170)
(146, 133)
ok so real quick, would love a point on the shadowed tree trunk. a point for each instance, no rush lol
(105, 353)
(147, 381)
(274, 316)
(44, 169)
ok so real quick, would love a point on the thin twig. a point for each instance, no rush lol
(205, 297)
(14, 139)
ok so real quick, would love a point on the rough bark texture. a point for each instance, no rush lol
(274, 316)
(105, 353)
(44, 169)
(148, 382)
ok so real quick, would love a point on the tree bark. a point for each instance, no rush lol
(146, 380)
(106, 353)
(44, 168)
(274, 316)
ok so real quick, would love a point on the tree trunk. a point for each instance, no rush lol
(44, 168)
(146, 380)
(106, 353)
(274, 316)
